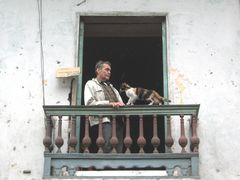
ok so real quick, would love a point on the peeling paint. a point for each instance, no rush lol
(180, 81)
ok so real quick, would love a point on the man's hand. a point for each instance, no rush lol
(117, 104)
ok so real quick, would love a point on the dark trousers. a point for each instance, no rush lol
(107, 134)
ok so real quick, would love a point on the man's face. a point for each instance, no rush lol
(104, 73)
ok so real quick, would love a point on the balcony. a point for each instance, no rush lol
(58, 164)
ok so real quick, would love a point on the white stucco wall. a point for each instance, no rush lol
(204, 68)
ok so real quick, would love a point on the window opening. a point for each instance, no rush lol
(134, 47)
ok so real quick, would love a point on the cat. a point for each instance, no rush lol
(135, 93)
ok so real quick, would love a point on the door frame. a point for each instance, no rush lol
(79, 56)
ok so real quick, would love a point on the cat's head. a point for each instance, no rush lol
(124, 86)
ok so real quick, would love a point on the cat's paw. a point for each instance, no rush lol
(130, 103)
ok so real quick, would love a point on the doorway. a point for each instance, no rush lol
(133, 45)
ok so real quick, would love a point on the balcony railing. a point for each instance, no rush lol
(58, 163)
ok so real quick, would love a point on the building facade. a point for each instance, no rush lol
(200, 50)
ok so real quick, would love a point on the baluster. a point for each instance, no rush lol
(59, 140)
(194, 139)
(155, 139)
(73, 139)
(47, 141)
(141, 140)
(100, 140)
(127, 140)
(169, 140)
(114, 139)
(86, 140)
(182, 140)
(69, 132)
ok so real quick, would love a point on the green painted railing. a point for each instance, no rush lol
(189, 109)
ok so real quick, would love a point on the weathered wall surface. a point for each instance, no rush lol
(204, 66)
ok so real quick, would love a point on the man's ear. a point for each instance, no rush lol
(97, 71)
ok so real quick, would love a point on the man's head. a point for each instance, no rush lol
(103, 70)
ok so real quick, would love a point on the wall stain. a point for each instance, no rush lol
(83, 1)
(233, 83)
(14, 165)
(180, 81)
(45, 82)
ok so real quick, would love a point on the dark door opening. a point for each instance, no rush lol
(133, 44)
(135, 60)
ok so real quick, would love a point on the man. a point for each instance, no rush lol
(99, 91)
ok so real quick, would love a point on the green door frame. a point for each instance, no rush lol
(165, 68)
(79, 80)
(80, 64)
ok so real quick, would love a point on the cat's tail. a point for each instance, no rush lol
(161, 99)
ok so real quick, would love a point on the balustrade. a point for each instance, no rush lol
(166, 113)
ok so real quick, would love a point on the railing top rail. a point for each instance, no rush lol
(66, 110)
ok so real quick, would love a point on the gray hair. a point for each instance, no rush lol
(100, 64)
